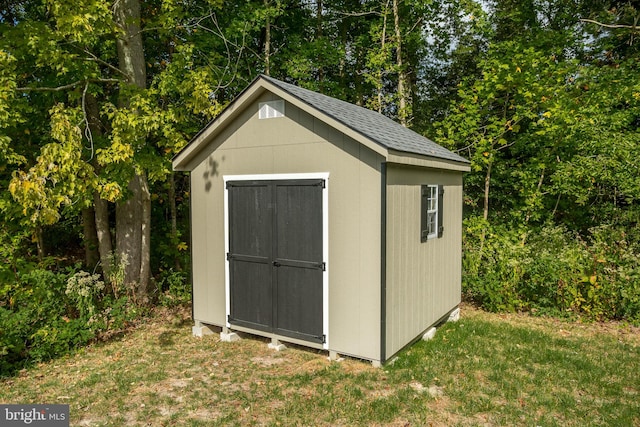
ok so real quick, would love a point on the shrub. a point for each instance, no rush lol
(492, 266)
(46, 314)
(552, 270)
(84, 289)
(613, 274)
(173, 288)
(36, 319)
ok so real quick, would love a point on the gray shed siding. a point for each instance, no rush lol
(296, 143)
(422, 279)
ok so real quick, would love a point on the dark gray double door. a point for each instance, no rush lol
(276, 257)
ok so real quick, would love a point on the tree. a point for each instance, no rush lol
(504, 122)
(133, 215)
(108, 133)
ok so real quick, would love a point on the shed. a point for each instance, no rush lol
(321, 223)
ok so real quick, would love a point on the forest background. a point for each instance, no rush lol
(97, 96)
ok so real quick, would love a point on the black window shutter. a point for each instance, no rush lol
(440, 210)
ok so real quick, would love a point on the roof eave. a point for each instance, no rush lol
(414, 159)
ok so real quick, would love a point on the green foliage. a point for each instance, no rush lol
(46, 314)
(12, 252)
(58, 337)
(548, 115)
(610, 285)
(59, 177)
(174, 288)
(34, 314)
(13, 334)
(551, 270)
(115, 314)
(115, 274)
(84, 289)
(9, 115)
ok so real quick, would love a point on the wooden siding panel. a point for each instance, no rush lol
(208, 246)
(369, 217)
(423, 279)
(354, 248)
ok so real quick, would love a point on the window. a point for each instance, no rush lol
(431, 216)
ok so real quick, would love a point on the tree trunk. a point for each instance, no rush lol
(173, 211)
(129, 45)
(133, 216)
(267, 42)
(145, 238)
(39, 238)
(90, 238)
(103, 232)
(402, 79)
(133, 235)
(383, 40)
(487, 185)
(319, 19)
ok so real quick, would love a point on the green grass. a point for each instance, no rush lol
(486, 369)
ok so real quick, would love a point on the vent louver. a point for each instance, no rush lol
(271, 109)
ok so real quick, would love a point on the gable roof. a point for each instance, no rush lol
(373, 125)
(369, 125)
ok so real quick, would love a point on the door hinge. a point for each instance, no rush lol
(323, 337)
(229, 256)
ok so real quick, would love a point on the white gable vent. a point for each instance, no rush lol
(271, 109)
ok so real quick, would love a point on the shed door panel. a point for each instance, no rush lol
(250, 251)
(275, 259)
(298, 257)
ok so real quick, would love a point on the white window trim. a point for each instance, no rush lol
(432, 199)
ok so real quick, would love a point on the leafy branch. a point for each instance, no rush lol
(67, 86)
(602, 24)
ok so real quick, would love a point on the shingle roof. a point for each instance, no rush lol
(368, 123)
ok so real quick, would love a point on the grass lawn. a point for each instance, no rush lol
(486, 369)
